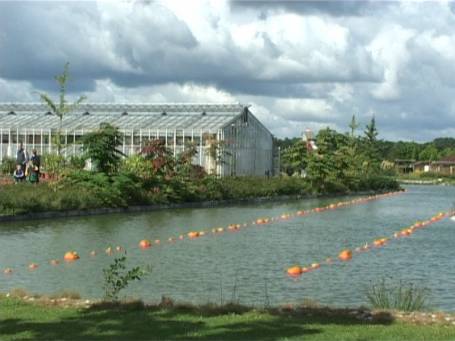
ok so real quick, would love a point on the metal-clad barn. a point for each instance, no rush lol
(229, 139)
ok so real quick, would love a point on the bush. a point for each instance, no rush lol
(7, 166)
(378, 183)
(76, 162)
(402, 296)
(53, 164)
(117, 278)
(138, 165)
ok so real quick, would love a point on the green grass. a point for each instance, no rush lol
(26, 321)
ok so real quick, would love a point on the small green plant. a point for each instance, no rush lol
(117, 278)
(7, 166)
(402, 296)
(76, 162)
(53, 164)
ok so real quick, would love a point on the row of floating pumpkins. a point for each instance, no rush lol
(346, 255)
(145, 244)
(72, 256)
(69, 256)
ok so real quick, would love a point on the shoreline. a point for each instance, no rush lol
(425, 182)
(159, 207)
(361, 313)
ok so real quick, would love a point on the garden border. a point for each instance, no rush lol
(159, 207)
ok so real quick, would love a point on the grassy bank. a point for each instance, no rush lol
(32, 321)
(87, 190)
(428, 178)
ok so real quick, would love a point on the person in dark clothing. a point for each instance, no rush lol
(21, 157)
(34, 167)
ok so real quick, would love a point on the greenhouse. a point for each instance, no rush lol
(229, 139)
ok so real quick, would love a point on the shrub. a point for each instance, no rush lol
(76, 162)
(7, 166)
(401, 296)
(117, 278)
(379, 183)
(53, 164)
(101, 147)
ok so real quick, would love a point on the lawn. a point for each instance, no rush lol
(31, 321)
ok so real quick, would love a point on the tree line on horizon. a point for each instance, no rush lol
(294, 148)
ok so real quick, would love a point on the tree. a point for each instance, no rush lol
(101, 147)
(430, 153)
(293, 158)
(353, 125)
(61, 108)
(371, 132)
(372, 159)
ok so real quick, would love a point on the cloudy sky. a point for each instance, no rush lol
(299, 64)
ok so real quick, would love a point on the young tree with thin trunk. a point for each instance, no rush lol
(62, 107)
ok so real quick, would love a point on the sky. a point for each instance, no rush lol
(299, 64)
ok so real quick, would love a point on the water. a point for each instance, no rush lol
(248, 266)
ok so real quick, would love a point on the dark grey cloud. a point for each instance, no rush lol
(152, 46)
(330, 7)
(299, 63)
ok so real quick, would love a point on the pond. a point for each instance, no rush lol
(247, 266)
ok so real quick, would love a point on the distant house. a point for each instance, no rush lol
(445, 166)
(404, 166)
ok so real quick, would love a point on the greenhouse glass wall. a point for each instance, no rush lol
(229, 139)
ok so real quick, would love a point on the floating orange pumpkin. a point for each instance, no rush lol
(405, 233)
(418, 224)
(345, 255)
(71, 256)
(233, 227)
(32, 266)
(295, 271)
(193, 234)
(145, 244)
(380, 242)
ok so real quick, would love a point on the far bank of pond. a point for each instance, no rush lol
(247, 266)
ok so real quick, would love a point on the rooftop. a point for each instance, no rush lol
(208, 117)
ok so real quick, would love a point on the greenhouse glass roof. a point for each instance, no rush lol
(208, 117)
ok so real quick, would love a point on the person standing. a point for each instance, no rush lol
(35, 165)
(21, 157)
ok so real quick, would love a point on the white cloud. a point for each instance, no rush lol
(389, 49)
(299, 66)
